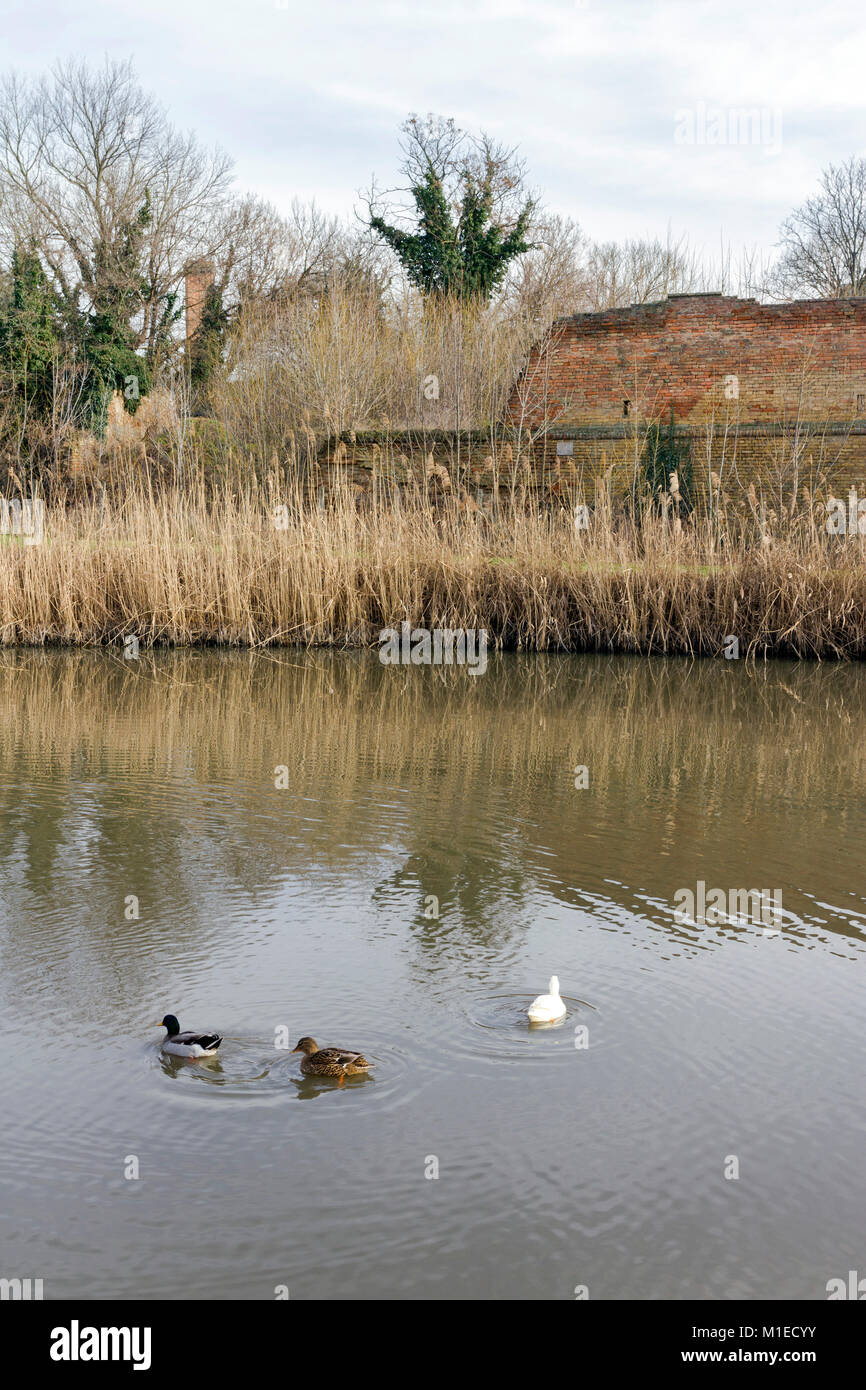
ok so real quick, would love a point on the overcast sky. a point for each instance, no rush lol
(631, 114)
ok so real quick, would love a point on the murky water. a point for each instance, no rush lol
(148, 863)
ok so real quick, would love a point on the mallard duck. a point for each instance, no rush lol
(547, 1008)
(330, 1061)
(187, 1044)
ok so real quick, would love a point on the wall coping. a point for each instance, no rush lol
(832, 308)
(501, 434)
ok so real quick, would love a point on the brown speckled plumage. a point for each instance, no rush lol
(330, 1061)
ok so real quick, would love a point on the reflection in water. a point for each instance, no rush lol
(429, 863)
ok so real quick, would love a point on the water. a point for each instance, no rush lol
(272, 913)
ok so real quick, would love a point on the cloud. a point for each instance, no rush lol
(308, 98)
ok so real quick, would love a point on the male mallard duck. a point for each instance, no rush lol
(547, 1008)
(187, 1044)
(330, 1061)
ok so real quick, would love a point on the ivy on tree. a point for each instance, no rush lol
(28, 334)
(109, 339)
(471, 219)
(206, 347)
(664, 454)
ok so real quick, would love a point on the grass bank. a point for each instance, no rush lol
(250, 569)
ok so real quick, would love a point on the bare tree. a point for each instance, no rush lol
(552, 279)
(824, 241)
(437, 145)
(83, 154)
(261, 256)
(620, 273)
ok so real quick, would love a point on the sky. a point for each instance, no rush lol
(709, 119)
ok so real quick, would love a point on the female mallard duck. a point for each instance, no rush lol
(187, 1044)
(330, 1061)
(547, 1008)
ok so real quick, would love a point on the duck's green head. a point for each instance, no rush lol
(306, 1045)
(171, 1023)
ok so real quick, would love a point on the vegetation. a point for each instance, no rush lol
(207, 347)
(824, 241)
(161, 460)
(107, 207)
(249, 565)
(28, 335)
(109, 339)
(467, 230)
(666, 466)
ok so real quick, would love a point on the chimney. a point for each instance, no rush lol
(199, 278)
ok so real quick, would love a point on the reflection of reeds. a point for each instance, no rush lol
(180, 568)
(685, 760)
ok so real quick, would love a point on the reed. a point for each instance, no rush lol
(255, 564)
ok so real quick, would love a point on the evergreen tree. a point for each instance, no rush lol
(28, 334)
(109, 336)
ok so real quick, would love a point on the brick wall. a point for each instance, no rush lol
(824, 459)
(199, 279)
(705, 355)
(770, 394)
(757, 389)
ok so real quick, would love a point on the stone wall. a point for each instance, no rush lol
(569, 462)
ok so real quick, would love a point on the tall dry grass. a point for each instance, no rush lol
(183, 530)
(260, 565)
(299, 371)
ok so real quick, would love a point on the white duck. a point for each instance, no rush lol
(547, 1008)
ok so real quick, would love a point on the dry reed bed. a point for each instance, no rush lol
(179, 569)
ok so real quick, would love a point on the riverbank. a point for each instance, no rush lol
(183, 569)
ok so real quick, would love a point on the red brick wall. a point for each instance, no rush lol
(806, 360)
(199, 279)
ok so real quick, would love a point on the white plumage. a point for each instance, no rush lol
(547, 1008)
(190, 1049)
